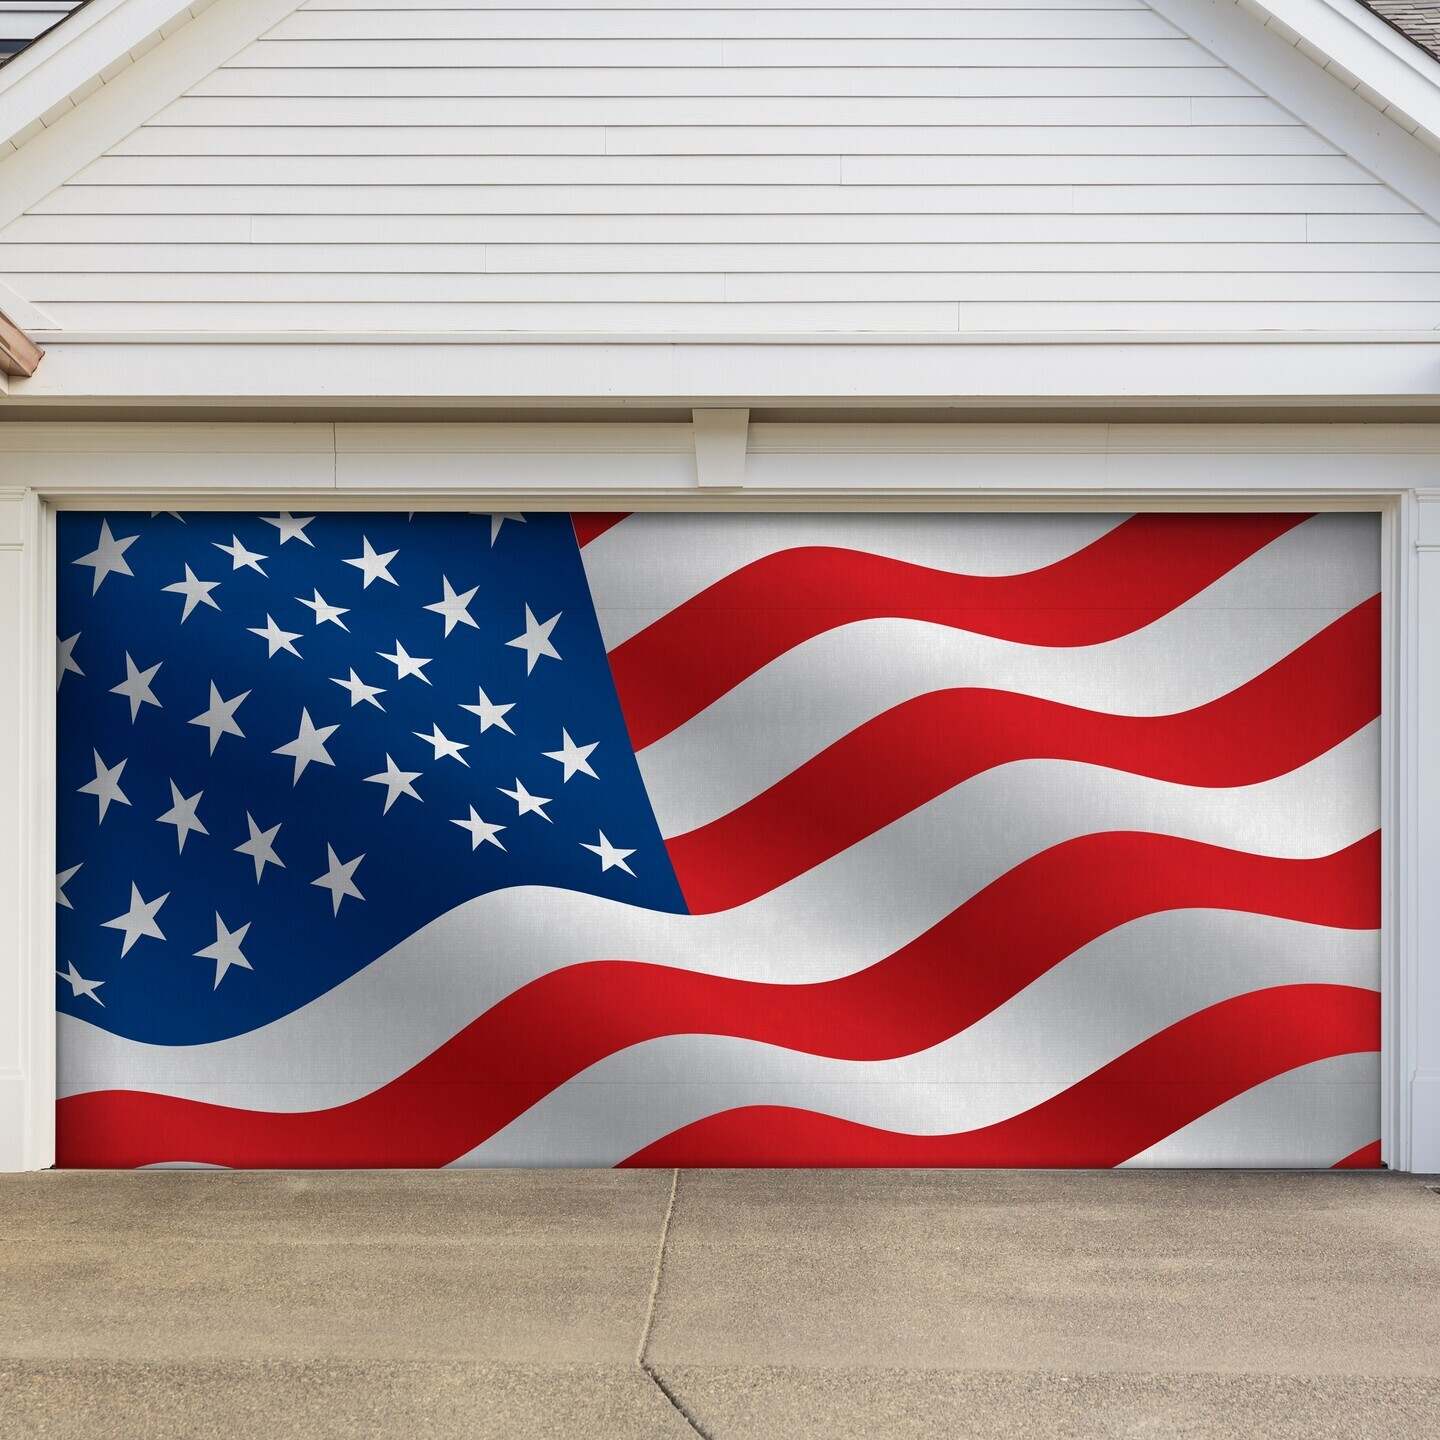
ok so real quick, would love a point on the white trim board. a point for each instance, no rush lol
(642, 463)
(738, 371)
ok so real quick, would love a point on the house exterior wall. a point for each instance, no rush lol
(353, 203)
(688, 169)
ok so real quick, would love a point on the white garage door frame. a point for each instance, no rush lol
(721, 463)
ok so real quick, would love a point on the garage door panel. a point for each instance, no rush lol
(794, 839)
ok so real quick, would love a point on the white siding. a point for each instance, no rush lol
(658, 166)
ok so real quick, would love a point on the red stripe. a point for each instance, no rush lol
(1367, 1157)
(591, 524)
(1298, 709)
(1165, 1082)
(549, 1030)
(1129, 577)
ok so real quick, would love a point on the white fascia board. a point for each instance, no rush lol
(69, 57)
(150, 370)
(1319, 99)
(1371, 50)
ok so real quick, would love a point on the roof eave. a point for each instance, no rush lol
(142, 370)
(1366, 53)
(75, 57)
(1425, 34)
(19, 354)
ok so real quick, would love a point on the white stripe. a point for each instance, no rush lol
(645, 566)
(1101, 1002)
(1306, 1119)
(857, 908)
(806, 699)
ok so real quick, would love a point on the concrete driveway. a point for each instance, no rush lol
(719, 1303)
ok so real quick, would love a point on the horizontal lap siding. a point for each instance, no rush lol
(1061, 164)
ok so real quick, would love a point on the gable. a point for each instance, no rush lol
(686, 169)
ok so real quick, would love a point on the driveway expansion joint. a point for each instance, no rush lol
(641, 1356)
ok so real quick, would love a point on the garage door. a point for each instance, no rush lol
(1038, 839)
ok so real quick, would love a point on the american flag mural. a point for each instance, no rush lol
(941, 839)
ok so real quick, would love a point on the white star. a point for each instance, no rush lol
(453, 607)
(496, 521)
(359, 690)
(65, 659)
(135, 687)
(240, 556)
(396, 782)
(525, 802)
(174, 514)
(405, 664)
(225, 952)
(196, 592)
(575, 758)
(611, 856)
(324, 612)
(308, 745)
(182, 816)
(373, 566)
(275, 638)
(291, 527)
(260, 847)
(535, 642)
(337, 879)
(490, 713)
(108, 557)
(219, 719)
(79, 985)
(61, 881)
(481, 831)
(442, 746)
(139, 919)
(106, 785)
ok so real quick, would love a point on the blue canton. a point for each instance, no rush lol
(287, 742)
